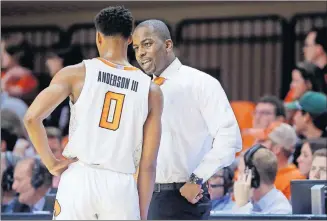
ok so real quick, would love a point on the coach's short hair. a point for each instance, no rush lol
(159, 27)
(113, 21)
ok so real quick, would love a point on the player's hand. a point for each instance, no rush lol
(192, 192)
(60, 166)
(242, 188)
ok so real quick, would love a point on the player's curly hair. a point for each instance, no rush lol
(114, 20)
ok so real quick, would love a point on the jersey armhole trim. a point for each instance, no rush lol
(81, 95)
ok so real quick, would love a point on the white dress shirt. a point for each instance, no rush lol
(200, 133)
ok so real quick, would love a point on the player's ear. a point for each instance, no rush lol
(129, 40)
(169, 45)
(98, 38)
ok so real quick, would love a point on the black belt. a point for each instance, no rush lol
(158, 187)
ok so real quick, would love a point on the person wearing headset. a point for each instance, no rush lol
(258, 170)
(220, 188)
(32, 181)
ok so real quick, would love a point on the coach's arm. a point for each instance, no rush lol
(222, 126)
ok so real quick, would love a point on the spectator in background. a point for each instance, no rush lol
(32, 181)
(306, 77)
(315, 49)
(220, 189)
(318, 169)
(308, 149)
(258, 171)
(58, 58)
(13, 104)
(309, 119)
(8, 140)
(268, 109)
(8, 196)
(12, 124)
(17, 78)
(54, 140)
(281, 140)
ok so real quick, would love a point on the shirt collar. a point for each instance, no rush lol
(221, 201)
(172, 69)
(40, 204)
(265, 201)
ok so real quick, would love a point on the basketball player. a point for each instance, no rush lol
(115, 125)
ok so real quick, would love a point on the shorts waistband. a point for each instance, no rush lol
(95, 166)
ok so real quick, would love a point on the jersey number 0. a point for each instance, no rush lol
(111, 110)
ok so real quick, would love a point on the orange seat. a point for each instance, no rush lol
(243, 111)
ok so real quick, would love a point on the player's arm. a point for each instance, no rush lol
(59, 89)
(151, 142)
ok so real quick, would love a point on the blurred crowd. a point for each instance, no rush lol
(289, 135)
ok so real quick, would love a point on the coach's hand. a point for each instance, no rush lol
(192, 192)
(60, 166)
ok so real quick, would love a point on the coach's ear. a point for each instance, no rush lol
(169, 45)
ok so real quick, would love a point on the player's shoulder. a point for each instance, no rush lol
(154, 89)
(71, 71)
(75, 68)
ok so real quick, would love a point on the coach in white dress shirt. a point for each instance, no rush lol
(200, 134)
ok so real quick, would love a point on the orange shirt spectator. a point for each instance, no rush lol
(284, 177)
(281, 139)
(289, 96)
(18, 84)
(268, 109)
(17, 78)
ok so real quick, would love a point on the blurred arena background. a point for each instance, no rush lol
(250, 47)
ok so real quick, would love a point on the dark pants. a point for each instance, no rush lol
(172, 205)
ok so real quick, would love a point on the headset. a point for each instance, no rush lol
(228, 175)
(248, 160)
(40, 174)
(8, 174)
(228, 179)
